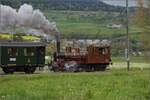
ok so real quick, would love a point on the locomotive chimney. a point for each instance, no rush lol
(58, 41)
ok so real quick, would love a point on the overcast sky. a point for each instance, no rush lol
(121, 2)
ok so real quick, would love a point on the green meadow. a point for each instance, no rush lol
(114, 84)
(91, 24)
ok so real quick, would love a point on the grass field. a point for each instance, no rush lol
(110, 85)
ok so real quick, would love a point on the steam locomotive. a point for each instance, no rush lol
(95, 58)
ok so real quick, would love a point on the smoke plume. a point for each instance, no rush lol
(25, 16)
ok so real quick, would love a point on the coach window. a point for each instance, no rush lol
(12, 51)
(41, 51)
(102, 51)
(106, 50)
(95, 50)
(28, 52)
(91, 49)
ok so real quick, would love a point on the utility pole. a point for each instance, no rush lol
(127, 37)
(0, 16)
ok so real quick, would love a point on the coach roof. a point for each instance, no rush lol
(22, 44)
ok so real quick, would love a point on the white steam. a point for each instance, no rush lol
(26, 16)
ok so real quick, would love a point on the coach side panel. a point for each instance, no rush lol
(40, 56)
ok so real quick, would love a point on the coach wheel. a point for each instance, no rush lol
(55, 68)
(30, 70)
(8, 71)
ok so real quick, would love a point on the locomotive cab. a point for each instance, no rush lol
(99, 54)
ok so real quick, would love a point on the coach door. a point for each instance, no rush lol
(29, 55)
(41, 55)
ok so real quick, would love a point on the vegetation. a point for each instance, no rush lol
(5, 36)
(85, 5)
(8, 36)
(142, 18)
(90, 24)
(109, 85)
(134, 59)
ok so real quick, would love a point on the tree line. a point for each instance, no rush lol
(84, 5)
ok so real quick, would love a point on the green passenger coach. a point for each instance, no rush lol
(24, 57)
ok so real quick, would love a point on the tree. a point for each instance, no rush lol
(142, 20)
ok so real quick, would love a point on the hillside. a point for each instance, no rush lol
(89, 24)
(93, 22)
(94, 25)
(86, 5)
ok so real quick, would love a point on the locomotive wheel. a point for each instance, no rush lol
(102, 68)
(55, 69)
(89, 68)
(8, 70)
(30, 70)
(71, 66)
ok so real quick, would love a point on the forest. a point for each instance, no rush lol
(75, 5)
